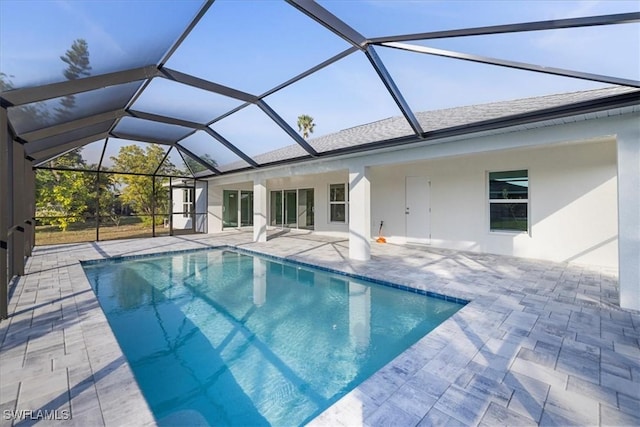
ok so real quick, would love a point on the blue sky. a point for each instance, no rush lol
(254, 45)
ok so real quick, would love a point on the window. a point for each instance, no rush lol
(509, 201)
(187, 202)
(338, 202)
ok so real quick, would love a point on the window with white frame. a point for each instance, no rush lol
(338, 202)
(187, 202)
(509, 201)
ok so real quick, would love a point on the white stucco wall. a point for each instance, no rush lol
(201, 206)
(214, 210)
(182, 223)
(319, 183)
(572, 202)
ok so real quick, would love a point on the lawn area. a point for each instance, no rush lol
(129, 228)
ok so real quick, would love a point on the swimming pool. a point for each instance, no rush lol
(221, 337)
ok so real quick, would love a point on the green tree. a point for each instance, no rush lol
(64, 196)
(77, 60)
(305, 125)
(137, 190)
(109, 205)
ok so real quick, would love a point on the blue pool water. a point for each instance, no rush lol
(223, 338)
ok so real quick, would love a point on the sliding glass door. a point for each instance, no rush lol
(305, 209)
(237, 206)
(276, 209)
(292, 209)
(246, 208)
(230, 208)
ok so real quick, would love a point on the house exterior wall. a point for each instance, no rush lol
(201, 206)
(214, 209)
(178, 221)
(583, 178)
(572, 202)
(200, 202)
(573, 169)
(319, 182)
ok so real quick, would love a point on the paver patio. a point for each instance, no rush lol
(539, 343)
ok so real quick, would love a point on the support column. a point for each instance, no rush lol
(30, 207)
(5, 205)
(359, 214)
(259, 210)
(19, 204)
(628, 144)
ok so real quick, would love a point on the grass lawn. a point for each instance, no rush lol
(129, 228)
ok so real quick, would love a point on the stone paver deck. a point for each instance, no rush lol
(540, 343)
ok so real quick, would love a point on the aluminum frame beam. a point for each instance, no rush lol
(195, 126)
(29, 95)
(5, 205)
(222, 140)
(164, 119)
(56, 141)
(588, 21)
(105, 172)
(155, 172)
(207, 85)
(61, 128)
(203, 10)
(139, 138)
(328, 20)
(46, 152)
(311, 70)
(395, 93)
(197, 159)
(288, 129)
(513, 64)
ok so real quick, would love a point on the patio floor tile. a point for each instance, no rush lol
(539, 343)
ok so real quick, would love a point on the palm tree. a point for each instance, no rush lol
(305, 125)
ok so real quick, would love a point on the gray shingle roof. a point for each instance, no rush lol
(395, 127)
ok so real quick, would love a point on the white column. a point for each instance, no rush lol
(214, 210)
(629, 217)
(359, 214)
(259, 210)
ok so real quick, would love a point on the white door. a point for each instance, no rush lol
(417, 210)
